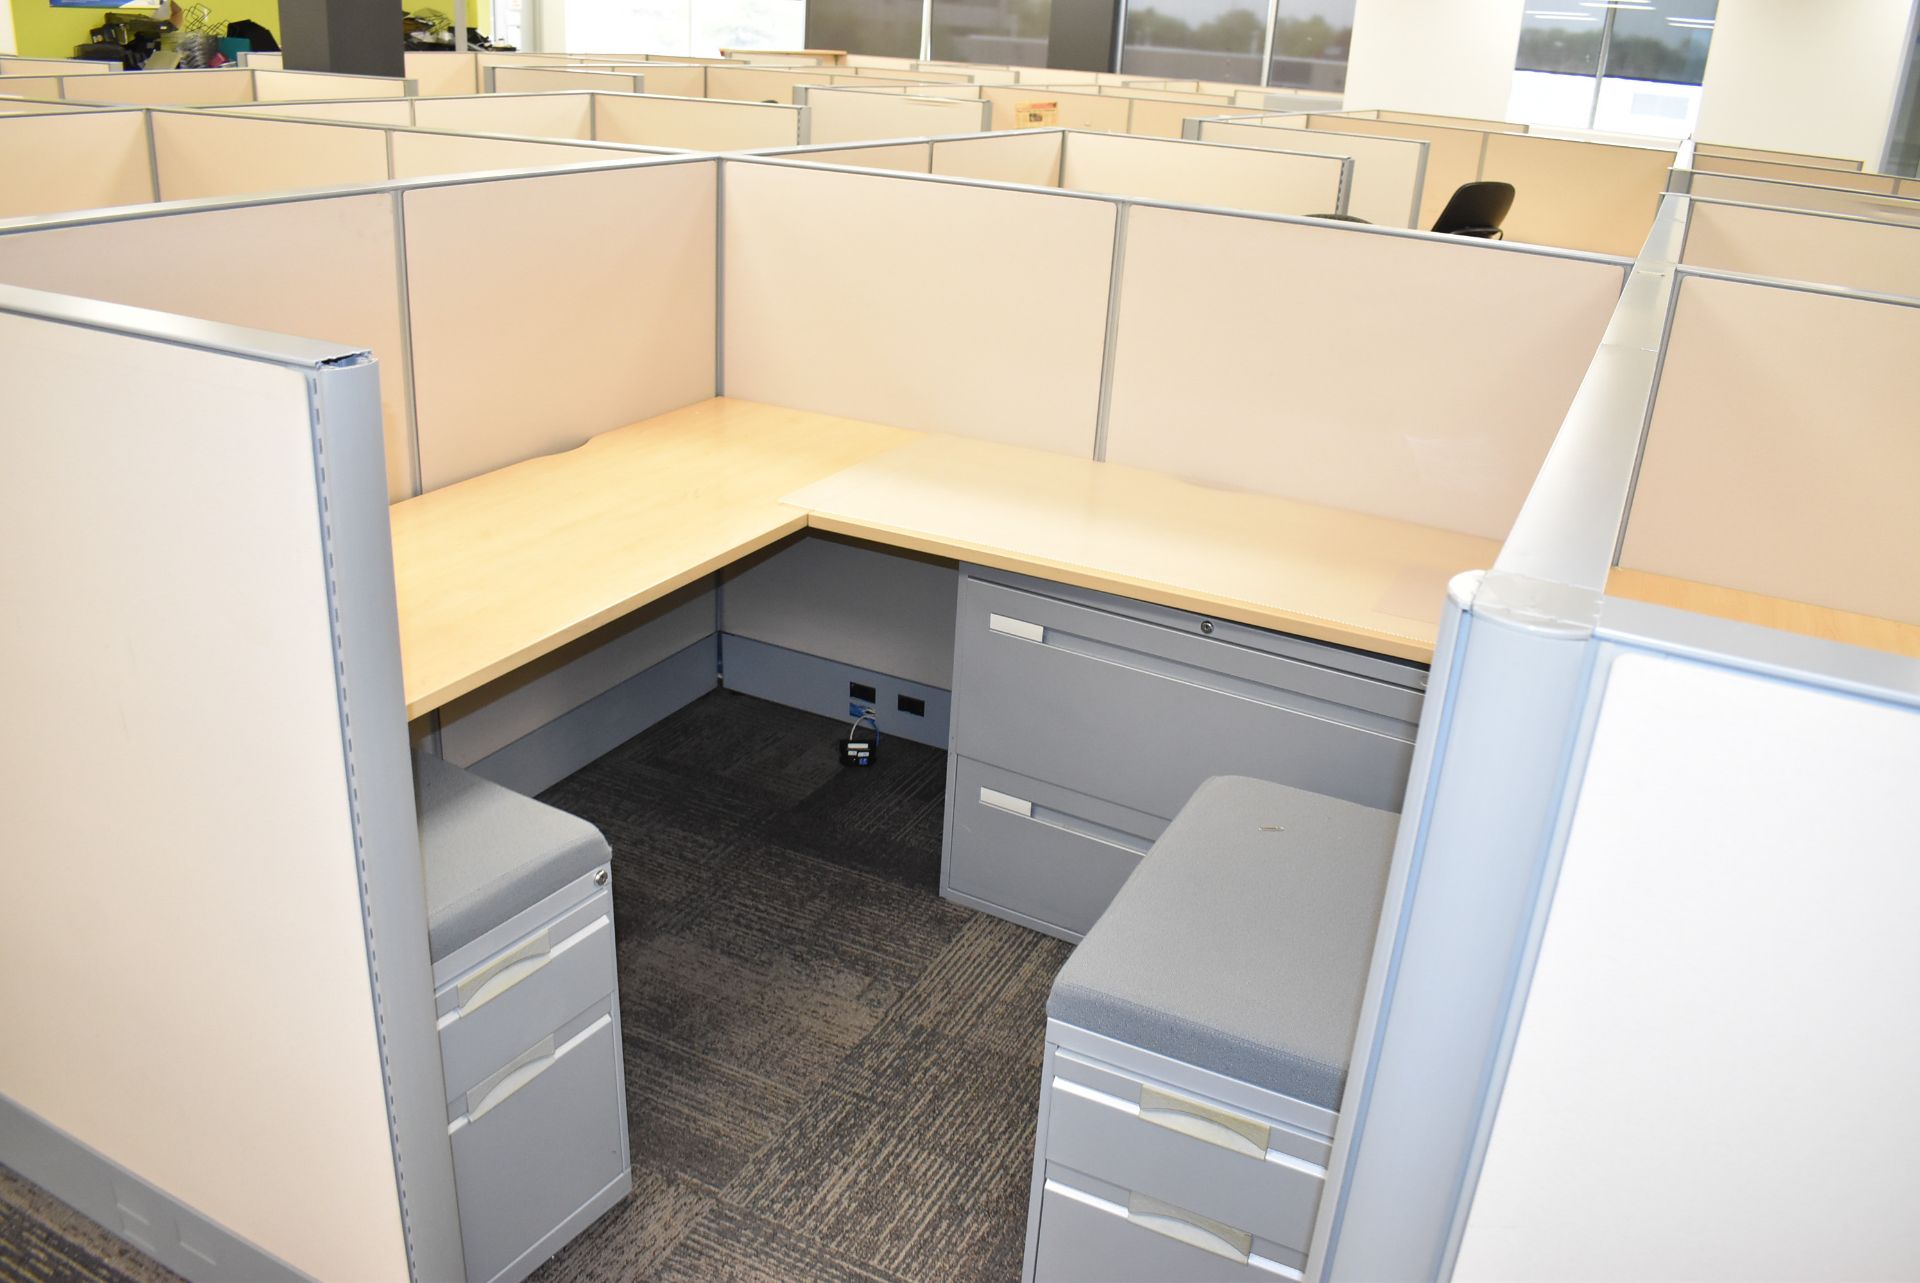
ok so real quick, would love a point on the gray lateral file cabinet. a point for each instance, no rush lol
(1198, 1042)
(1082, 722)
(520, 928)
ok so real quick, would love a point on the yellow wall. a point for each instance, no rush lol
(42, 31)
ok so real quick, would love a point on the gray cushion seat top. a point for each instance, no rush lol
(490, 852)
(1241, 943)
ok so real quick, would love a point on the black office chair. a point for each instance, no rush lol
(1476, 209)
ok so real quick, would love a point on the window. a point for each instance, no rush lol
(992, 31)
(1624, 66)
(886, 27)
(1229, 40)
(1310, 42)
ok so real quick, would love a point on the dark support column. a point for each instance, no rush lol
(1083, 34)
(358, 36)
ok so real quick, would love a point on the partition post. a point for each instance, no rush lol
(357, 36)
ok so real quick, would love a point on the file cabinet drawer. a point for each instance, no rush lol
(1089, 1238)
(1036, 850)
(537, 1142)
(1217, 1162)
(1138, 704)
(497, 1010)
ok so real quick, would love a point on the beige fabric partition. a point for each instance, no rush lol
(1781, 457)
(270, 85)
(1798, 246)
(1880, 184)
(908, 158)
(677, 80)
(349, 294)
(202, 154)
(1075, 110)
(1194, 173)
(856, 117)
(1455, 122)
(1025, 156)
(610, 321)
(36, 107)
(1590, 196)
(38, 153)
(760, 84)
(701, 124)
(529, 115)
(40, 88)
(15, 65)
(425, 154)
(1385, 184)
(1415, 378)
(188, 985)
(1453, 155)
(356, 111)
(540, 80)
(1835, 200)
(439, 75)
(1156, 118)
(172, 88)
(1776, 157)
(1005, 335)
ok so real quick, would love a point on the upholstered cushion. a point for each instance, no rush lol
(491, 852)
(1241, 943)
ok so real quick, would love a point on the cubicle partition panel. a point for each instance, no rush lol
(1780, 457)
(229, 1054)
(522, 80)
(425, 153)
(1453, 155)
(1502, 1104)
(1799, 245)
(270, 85)
(1018, 106)
(672, 79)
(1776, 157)
(1808, 196)
(696, 123)
(1456, 122)
(1488, 341)
(1160, 118)
(354, 111)
(1577, 195)
(761, 84)
(638, 310)
(912, 157)
(837, 117)
(1199, 173)
(172, 88)
(350, 293)
(438, 75)
(15, 65)
(39, 107)
(205, 154)
(39, 88)
(1388, 173)
(117, 168)
(1006, 337)
(1879, 184)
(545, 115)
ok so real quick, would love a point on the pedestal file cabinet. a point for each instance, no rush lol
(1198, 1042)
(520, 910)
(1082, 722)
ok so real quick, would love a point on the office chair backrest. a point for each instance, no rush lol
(1476, 209)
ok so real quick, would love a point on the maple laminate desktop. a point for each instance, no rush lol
(1788, 616)
(503, 568)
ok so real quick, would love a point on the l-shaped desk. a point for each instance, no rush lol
(503, 568)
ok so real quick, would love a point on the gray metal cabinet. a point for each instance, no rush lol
(1082, 722)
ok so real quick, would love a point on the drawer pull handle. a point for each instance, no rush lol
(508, 970)
(1190, 1228)
(1016, 628)
(1006, 802)
(525, 1067)
(1204, 1122)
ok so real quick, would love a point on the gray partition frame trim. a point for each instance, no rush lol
(1196, 127)
(1520, 668)
(350, 498)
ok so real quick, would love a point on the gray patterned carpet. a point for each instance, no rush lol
(831, 1072)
